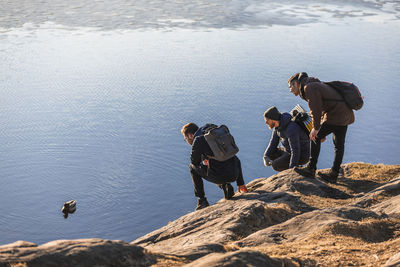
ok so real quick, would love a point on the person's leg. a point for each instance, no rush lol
(339, 138)
(304, 160)
(311, 167)
(224, 183)
(234, 173)
(228, 190)
(305, 155)
(316, 145)
(282, 162)
(197, 173)
(277, 154)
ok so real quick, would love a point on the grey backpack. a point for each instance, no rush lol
(221, 142)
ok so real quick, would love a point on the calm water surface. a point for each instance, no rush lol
(95, 115)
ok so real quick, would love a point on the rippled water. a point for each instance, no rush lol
(95, 115)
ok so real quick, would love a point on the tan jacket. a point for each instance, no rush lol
(323, 108)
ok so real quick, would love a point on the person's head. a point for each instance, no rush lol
(272, 117)
(294, 82)
(188, 131)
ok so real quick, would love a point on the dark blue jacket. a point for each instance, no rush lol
(201, 150)
(295, 141)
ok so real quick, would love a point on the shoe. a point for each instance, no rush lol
(242, 189)
(305, 171)
(228, 190)
(202, 203)
(330, 177)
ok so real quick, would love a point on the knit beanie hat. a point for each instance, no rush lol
(273, 114)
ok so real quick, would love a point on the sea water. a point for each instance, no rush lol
(91, 108)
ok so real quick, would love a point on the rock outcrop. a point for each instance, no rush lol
(289, 212)
(284, 220)
(241, 258)
(83, 252)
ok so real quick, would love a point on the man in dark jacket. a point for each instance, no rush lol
(330, 114)
(296, 144)
(203, 165)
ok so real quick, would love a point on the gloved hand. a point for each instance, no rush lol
(267, 161)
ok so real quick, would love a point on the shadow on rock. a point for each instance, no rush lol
(242, 258)
(358, 186)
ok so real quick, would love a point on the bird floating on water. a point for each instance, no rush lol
(69, 207)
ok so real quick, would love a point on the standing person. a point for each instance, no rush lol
(330, 114)
(204, 166)
(296, 144)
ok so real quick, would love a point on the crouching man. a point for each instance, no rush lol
(204, 166)
(295, 141)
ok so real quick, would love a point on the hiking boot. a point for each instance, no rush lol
(305, 171)
(341, 172)
(330, 177)
(242, 189)
(202, 203)
(228, 190)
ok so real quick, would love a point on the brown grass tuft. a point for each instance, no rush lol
(369, 243)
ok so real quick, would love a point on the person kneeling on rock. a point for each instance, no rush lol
(216, 168)
(296, 143)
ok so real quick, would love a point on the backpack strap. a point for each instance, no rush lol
(209, 128)
(302, 93)
(206, 130)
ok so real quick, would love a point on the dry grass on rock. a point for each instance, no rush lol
(370, 243)
(357, 178)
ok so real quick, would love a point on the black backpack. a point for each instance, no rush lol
(221, 142)
(349, 92)
(302, 118)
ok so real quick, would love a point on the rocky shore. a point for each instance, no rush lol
(284, 220)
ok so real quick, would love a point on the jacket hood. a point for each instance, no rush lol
(202, 129)
(308, 80)
(304, 82)
(286, 118)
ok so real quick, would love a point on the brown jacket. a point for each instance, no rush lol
(322, 110)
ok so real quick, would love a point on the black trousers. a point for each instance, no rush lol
(199, 173)
(281, 160)
(339, 138)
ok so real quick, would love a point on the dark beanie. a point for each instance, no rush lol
(273, 114)
(297, 77)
